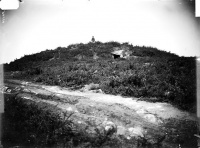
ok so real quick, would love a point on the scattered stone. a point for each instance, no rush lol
(141, 111)
(127, 121)
(91, 86)
(109, 127)
(5, 89)
(26, 90)
(69, 109)
(95, 57)
(136, 131)
(97, 91)
(159, 121)
(17, 89)
(150, 118)
(8, 90)
(121, 130)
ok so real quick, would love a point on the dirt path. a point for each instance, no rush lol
(130, 116)
(161, 110)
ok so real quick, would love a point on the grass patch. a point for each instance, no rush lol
(30, 124)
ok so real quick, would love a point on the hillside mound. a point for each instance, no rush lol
(118, 68)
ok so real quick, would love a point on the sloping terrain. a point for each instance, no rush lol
(131, 71)
(129, 116)
(110, 89)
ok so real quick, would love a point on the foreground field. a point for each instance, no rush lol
(92, 119)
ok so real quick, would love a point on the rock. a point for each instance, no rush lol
(121, 130)
(105, 123)
(95, 57)
(109, 127)
(91, 86)
(150, 118)
(141, 111)
(159, 121)
(26, 90)
(136, 131)
(96, 71)
(125, 119)
(9, 90)
(69, 109)
(17, 89)
(100, 91)
(97, 91)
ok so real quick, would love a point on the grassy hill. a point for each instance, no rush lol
(148, 73)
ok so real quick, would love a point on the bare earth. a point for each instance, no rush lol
(125, 113)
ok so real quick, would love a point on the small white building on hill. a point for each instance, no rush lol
(121, 53)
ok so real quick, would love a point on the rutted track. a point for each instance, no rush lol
(126, 113)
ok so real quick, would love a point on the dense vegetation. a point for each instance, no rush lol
(148, 73)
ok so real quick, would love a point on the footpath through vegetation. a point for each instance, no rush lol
(55, 116)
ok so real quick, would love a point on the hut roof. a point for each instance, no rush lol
(118, 52)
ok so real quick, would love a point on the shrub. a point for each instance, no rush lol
(151, 74)
(35, 124)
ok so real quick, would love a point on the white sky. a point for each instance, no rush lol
(46, 24)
